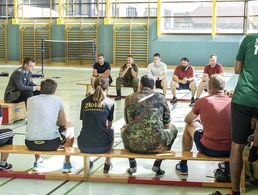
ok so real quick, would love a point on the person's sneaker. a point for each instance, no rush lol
(67, 168)
(182, 169)
(224, 166)
(131, 170)
(118, 97)
(133, 166)
(39, 164)
(107, 168)
(174, 100)
(156, 168)
(6, 167)
(192, 102)
(216, 193)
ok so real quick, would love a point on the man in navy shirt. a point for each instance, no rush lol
(101, 68)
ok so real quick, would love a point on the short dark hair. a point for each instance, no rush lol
(184, 59)
(27, 60)
(147, 81)
(156, 55)
(129, 56)
(216, 82)
(48, 86)
(101, 55)
(213, 55)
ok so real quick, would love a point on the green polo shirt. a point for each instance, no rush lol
(246, 92)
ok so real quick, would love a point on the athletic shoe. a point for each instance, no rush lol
(131, 170)
(192, 102)
(174, 100)
(107, 167)
(156, 168)
(39, 164)
(224, 166)
(182, 169)
(133, 167)
(6, 167)
(67, 168)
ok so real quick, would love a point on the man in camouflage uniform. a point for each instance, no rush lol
(148, 128)
(127, 76)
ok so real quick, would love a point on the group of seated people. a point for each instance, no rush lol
(183, 77)
(147, 129)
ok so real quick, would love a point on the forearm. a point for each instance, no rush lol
(122, 74)
(134, 74)
(190, 79)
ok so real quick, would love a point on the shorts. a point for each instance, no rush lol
(203, 149)
(48, 145)
(99, 149)
(241, 122)
(6, 136)
(158, 84)
(183, 86)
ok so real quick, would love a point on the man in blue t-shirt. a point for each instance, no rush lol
(101, 68)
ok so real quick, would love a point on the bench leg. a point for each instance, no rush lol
(86, 167)
(242, 179)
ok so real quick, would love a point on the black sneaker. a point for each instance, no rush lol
(107, 167)
(174, 100)
(224, 166)
(192, 101)
(156, 168)
(6, 167)
(133, 166)
(118, 97)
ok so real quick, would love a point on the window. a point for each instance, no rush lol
(37, 9)
(230, 17)
(6, 8)
(133, 8)
(186, 17)
(85, 8)
(252, 19)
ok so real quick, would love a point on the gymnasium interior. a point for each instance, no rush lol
(65, 37)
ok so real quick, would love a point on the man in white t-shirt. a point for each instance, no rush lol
(158, 70)
(48, 128)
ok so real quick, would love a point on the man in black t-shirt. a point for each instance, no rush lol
(101, 68)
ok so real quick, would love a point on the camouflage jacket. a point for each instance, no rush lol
(145, 114)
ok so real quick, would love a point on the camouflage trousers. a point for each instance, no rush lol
(127, 83)
(149, 143)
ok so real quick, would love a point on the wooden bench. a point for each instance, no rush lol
(13, 112)
(117, 153)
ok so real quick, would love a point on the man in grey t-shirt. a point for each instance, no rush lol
(158, 70)
(47, 127)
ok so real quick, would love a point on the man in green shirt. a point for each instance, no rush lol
(244, 105)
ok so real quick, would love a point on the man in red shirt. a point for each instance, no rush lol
(212, 68)
(183, 78)
(208, 124)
